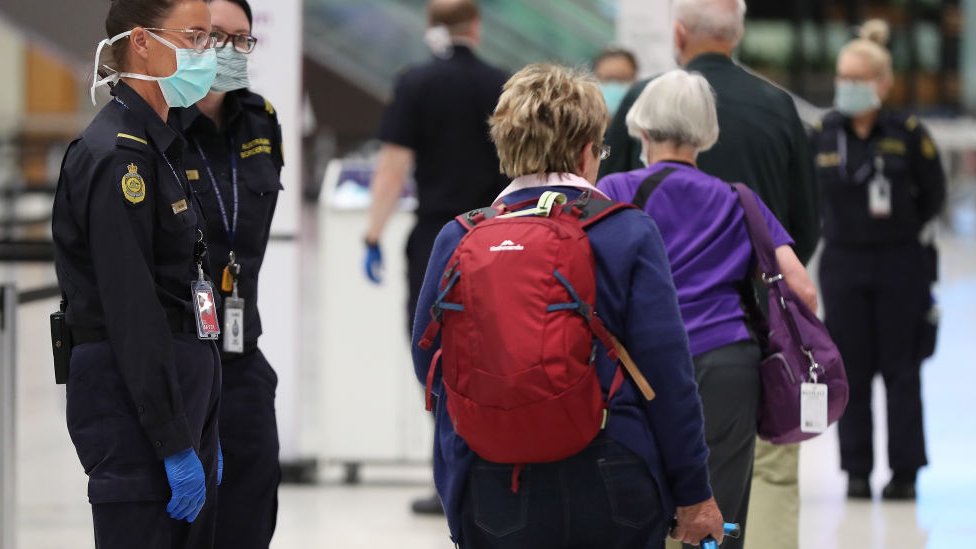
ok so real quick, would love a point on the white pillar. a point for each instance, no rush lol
(644, 27)
(276, 73)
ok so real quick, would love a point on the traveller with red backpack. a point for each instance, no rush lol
(549, 339)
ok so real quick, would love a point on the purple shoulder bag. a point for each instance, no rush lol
(796, 346)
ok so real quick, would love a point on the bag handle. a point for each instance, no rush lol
(633, 370)
(762, 242)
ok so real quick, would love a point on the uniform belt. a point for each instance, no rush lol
(179, 323)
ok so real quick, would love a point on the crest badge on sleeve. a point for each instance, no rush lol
(133, 185)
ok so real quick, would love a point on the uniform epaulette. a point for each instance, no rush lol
(911, 123)
(131, 139)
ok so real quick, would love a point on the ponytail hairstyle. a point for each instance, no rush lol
(872, 45)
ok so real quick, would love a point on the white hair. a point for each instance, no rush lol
(677, 107)
(718, 19)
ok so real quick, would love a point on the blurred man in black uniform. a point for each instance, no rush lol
(882, 181)
(437, 124)
(233, 162)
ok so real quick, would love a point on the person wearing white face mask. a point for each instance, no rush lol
(143, 376)
(233, 162)
(881, 181)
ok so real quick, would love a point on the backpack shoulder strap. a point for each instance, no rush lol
(469, 220)
(594, 210)
(649, 185)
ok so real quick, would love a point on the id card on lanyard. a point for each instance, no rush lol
(878, 187)
(233, 305)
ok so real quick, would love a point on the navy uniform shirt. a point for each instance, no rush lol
(124, 226)
(440, 111)
(249, 137)
(761, 143)
(846, 165)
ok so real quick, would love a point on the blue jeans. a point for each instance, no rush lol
(602, 498)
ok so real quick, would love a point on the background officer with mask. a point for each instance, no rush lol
(233, 162)
(881, 182)
(144, 383)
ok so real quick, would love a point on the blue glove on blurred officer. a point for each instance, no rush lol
(373, 262)
(188, 483)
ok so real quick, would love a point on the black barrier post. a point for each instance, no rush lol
(8, 389)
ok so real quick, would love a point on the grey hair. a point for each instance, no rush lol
(676, 107)
(718, 19)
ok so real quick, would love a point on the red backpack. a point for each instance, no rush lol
(517, 315)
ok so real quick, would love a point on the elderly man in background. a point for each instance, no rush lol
(763, 144)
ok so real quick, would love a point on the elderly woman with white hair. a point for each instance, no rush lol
(707, 243)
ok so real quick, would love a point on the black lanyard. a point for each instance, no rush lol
(230, 223)
(863, 173)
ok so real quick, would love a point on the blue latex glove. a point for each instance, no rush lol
(188, 483)
(374, 263)
(220, 464)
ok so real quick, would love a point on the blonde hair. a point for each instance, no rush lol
(545, 116)
(677, 107)
(871, 44)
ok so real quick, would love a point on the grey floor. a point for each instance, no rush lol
(52, 512)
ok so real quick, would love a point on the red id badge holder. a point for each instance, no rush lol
(205, 309)
(202, 296)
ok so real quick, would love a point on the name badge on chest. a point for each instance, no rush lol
(879, 192)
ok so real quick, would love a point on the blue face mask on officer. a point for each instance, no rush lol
(855, 97)
(231, 70)
(613, 94)
(191, 82)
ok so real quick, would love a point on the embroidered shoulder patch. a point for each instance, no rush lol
(133, 185)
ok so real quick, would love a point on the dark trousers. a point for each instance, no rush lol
(602, 498)
(248, 508)
(127, 483)
(146, 525)
(420, 243)
(875, 302)
(729, 386)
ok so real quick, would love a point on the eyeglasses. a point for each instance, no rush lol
(603, 151)
(243, 43)
(200, 40)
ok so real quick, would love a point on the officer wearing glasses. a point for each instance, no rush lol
(233, 161)
(144, 381)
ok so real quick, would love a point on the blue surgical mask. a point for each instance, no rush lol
(613, 94)
(231, 70)
(195, 73)
(855, 97)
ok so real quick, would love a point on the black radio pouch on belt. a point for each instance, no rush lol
(61, 344)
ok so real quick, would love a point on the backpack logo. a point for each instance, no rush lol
(507, 246)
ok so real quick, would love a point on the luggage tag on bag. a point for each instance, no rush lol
(879, 192)
(813, 408)
(202, 296)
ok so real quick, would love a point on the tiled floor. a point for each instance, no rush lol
(53, 514)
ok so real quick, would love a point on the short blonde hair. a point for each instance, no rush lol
(545, 116)
(871, 45)
(676, 107)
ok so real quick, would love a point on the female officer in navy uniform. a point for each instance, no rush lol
(144, 381)
(233, 160)
(881, 182)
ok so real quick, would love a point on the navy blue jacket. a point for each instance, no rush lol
(637, 301)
